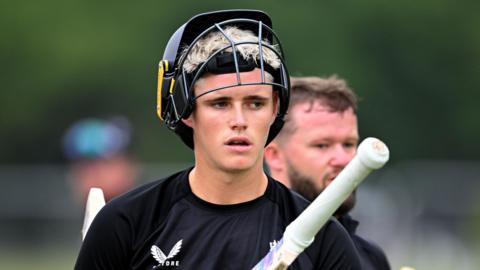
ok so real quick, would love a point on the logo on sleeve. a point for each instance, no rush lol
(166, 260)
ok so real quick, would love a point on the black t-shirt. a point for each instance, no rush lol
(372, 256)
(163, 225)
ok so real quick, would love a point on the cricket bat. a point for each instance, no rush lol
(95, 202)
(371, 154)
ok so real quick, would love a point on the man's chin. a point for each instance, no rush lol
(238, 165)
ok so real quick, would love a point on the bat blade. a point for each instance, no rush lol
(372, 154)
(95, 202)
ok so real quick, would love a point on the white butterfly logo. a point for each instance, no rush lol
(160, 257)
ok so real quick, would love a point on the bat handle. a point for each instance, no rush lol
(372, 154)
(95, 202)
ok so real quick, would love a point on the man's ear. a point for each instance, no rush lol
(188, 122)
(276, 105)
(276, 161)
(273, 156)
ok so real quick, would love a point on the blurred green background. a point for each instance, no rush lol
(415, 65)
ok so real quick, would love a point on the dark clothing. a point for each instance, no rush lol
(163, 225)
(371, 256)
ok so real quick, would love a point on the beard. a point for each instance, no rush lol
(305, 186)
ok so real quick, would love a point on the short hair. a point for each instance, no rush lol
(332, 92)
(218, 40)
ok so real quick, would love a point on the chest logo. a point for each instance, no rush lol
(164, 260)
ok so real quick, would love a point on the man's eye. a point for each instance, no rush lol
(321, 146)
(350, 145)
(219, 104)
(256, 104)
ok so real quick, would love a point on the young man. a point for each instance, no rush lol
(224, 89)
(318, 140)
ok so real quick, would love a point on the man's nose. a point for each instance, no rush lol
(341, 156)
(238, 118)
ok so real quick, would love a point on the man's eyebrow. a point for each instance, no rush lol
(227, 98)
(355, 139)
(216, 99)
(256, 97)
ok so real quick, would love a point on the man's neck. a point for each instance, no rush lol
(227, 187)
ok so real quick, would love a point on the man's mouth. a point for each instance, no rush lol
(331, 178)
(239, 143)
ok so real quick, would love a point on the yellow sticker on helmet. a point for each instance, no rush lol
(162, 67)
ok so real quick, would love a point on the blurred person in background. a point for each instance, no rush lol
(223, 88)
(98, 151)
(318, 140)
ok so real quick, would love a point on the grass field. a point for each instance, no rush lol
(41, 258)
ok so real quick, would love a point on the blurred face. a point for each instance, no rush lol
(320, 147)
(114, 175)
(231, 125)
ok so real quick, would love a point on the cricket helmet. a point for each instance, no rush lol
(175, 96)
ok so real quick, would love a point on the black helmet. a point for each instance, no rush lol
(175, 97)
